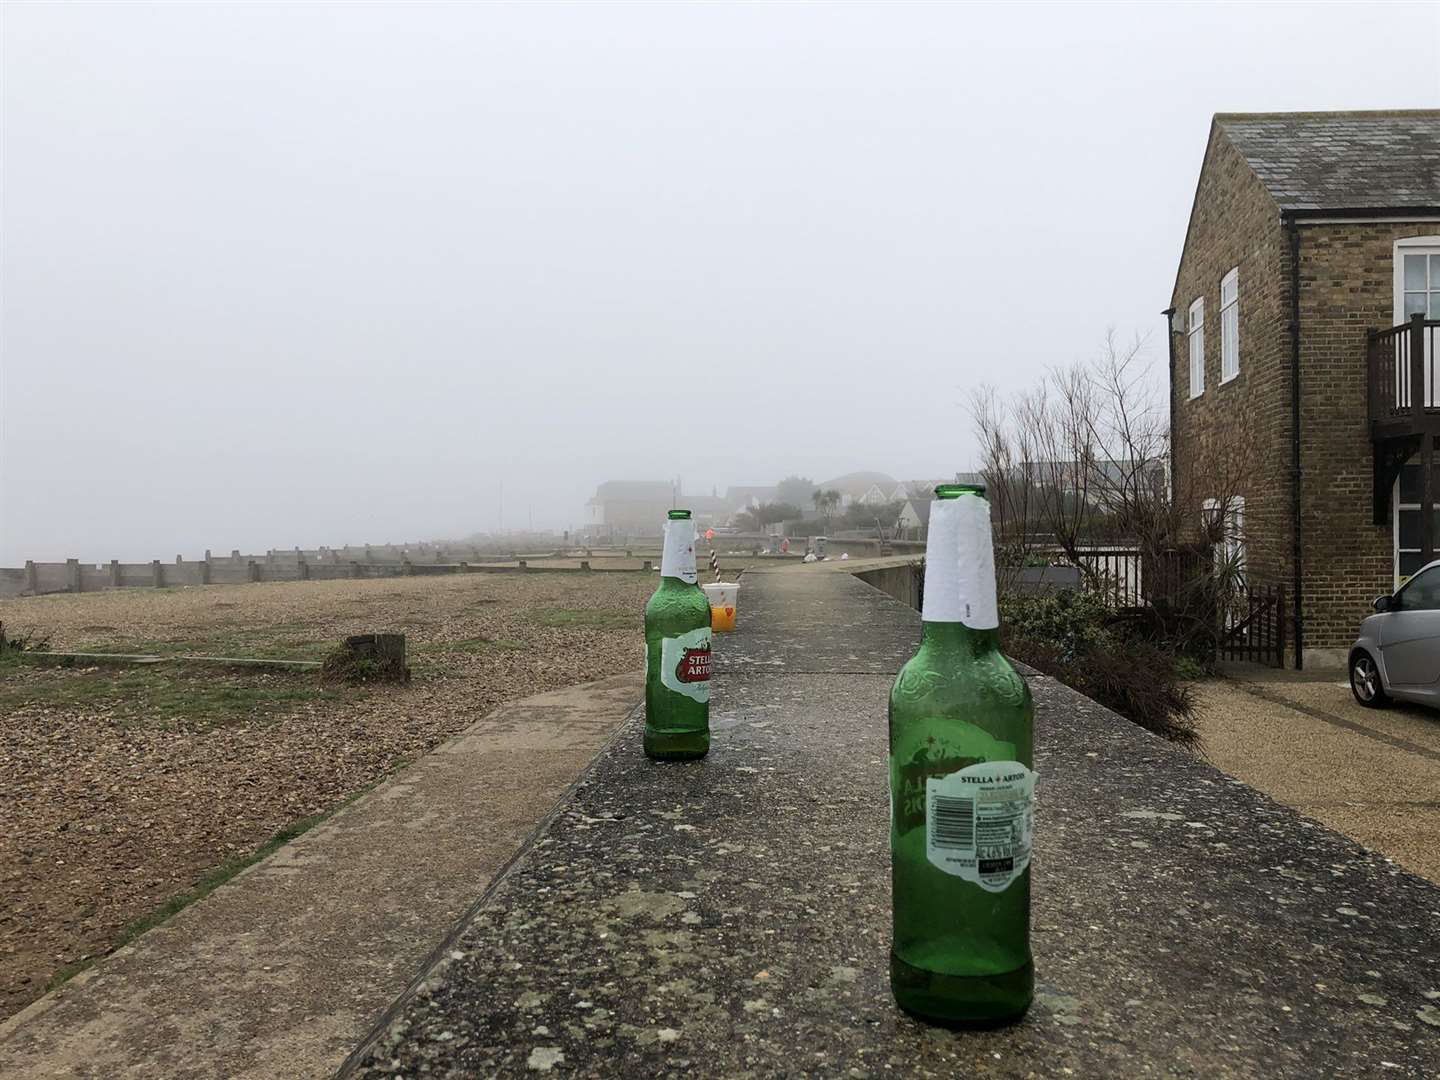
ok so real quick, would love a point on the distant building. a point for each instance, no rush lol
(621, 508)
(1093, 479)
(914, 518)
(864, 488)
(748, 497)
(707, 510)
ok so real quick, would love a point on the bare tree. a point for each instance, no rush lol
(1084, 459)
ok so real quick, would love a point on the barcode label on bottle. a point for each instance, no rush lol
(979, 822)
(952, 823)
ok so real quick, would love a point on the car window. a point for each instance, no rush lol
(1422, 592)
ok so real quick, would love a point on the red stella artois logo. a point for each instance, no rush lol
(694, 666)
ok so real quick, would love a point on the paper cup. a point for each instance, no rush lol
(722, 596)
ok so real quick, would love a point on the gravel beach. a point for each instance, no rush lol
(125, 787)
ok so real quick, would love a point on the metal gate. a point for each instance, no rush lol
(1252, 626)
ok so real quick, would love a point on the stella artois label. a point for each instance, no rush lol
(685, 664)
(979, 822)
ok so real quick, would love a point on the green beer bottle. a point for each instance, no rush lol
(677, 652)
(961, 790)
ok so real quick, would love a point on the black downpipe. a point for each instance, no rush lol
(1169, 314)
(1296, 586)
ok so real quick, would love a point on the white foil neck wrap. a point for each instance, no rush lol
(960, 564)
(678, 558)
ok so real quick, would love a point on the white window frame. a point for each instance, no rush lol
(1410, 245)
(1230, 326)
(1396, 506)
(1195, 339)
(1235, 535)
(1395, 509)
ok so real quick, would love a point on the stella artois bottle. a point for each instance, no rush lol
(961, 790)
(677, 652)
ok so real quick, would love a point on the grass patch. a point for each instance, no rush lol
(586, 618)
(163, 696)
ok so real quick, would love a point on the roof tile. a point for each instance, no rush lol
(1343, 160)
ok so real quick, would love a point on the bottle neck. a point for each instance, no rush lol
(957, 638)
(960, 565)
(677, 561)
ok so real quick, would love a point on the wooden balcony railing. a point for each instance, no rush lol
(1401, 360)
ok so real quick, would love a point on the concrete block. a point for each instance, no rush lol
(158, 572)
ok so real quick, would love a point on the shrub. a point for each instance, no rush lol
(1189, 669)
(365, 658)
(29, 641)
(1076, 639)
(1073, 623)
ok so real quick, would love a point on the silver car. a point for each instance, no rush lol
(1397, 654)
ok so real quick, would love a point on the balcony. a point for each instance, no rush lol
(1400, 359)
(1404, 407)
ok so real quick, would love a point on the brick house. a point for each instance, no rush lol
(1313, 237)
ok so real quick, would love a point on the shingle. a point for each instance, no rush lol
(1343, 160)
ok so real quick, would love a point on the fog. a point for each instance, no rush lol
(302, 274)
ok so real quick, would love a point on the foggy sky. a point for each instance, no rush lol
(308, 274)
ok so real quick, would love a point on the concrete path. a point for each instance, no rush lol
(281, 971)
(1300, 737)
(730, 917)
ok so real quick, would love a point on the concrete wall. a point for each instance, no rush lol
(905, 582)
(12, 582)
(36, 579)
(869, 549)
(901, 582)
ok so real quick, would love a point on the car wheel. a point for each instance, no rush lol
(1365, 682)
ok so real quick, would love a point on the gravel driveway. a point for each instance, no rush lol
(1372, 774)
